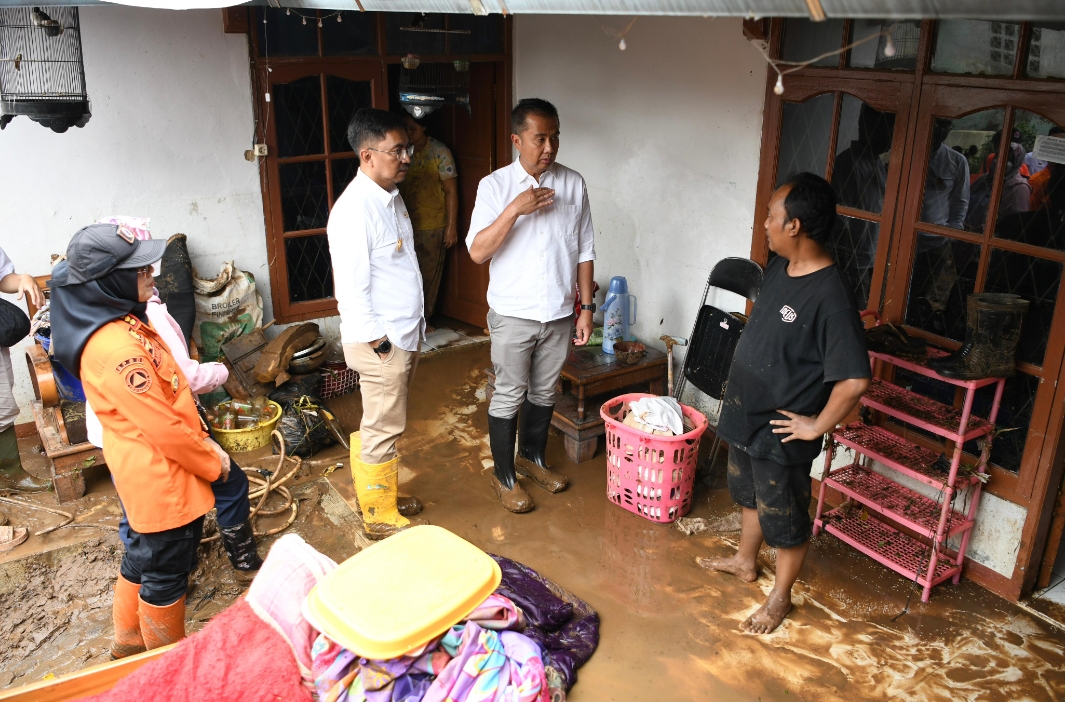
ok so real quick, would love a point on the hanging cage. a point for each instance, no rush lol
(427, 86)
(42, 75)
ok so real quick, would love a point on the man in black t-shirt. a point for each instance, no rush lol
(799, 369)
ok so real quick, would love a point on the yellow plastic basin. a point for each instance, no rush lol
(402, 592)
(250, 439)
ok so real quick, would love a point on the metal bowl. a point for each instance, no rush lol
(307, 363)
(315, 347)
(629, 352)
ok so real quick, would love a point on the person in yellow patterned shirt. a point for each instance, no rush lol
(431, 193)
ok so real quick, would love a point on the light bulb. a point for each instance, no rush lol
(305, 20)
(621, 44)
(319, 22)
(339, 18)
(288, 11)
(264, 19)
(779, 87)
(889, 47)
(267, 96)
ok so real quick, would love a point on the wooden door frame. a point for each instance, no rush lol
(1039, 489)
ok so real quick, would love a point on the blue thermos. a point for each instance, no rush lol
(619, 312)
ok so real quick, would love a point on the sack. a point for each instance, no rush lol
(303, 427)
(296, 387)
(175, 285)
(14, 324)
(226, 307)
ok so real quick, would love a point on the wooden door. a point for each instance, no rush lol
(474, 142)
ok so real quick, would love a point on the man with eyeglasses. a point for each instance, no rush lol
(533, 221)
(378, 288)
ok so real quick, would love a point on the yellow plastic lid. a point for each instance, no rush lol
(402, 592)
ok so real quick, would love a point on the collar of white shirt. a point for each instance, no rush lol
(372, 188)
(522, 176)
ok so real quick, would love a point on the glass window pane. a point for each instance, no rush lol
(1046, 50)
(404, 35)
(298, 106)
(804, 39)
(1014, 413)
(1036, 280)
(1032, 204)
(345, 97)
(485, 37)
(355, 35)
(975, 46)
(944, 274)
(959, 148)
(905, 35)
(863, 144)
(344, 171)
(310, 269)
(804, 131)
(854, 248)
(286, 34)
(303, 195)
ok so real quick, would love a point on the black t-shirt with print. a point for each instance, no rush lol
(804, 334)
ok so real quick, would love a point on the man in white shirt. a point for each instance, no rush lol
(378, 288)
(533, 221)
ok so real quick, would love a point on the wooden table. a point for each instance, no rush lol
(67, 461)
(589, 371)
(589, 379)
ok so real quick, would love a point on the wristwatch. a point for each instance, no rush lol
(383, 348)
(590, 308)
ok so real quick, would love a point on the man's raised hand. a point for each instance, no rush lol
(532, 200)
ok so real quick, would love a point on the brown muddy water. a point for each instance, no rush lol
(669, 628)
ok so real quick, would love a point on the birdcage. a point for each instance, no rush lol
(42, 75)
(428, 86)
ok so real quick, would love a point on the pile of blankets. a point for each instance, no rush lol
(524, 643)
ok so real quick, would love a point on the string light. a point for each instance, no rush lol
(304, 19)
(776, 64)
(620, 36)
(319, 21)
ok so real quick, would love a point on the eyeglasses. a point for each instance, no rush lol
(144, 270)
(398, 153)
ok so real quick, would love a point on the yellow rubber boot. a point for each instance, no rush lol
(377, 487)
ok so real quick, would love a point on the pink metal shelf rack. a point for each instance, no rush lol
(924, 557)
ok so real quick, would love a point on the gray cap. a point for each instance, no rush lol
(98, 249)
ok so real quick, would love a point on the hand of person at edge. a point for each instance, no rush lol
(222, 456)
(799, 427)
(451, 236)
(584, 328)
(28, 286)
(532, 200)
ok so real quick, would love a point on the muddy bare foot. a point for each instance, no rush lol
(746, 573)
(769, 615)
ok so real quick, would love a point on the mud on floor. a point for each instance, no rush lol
(55, 607)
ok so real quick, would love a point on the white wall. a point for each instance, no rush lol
(172, 116)
(667, 134)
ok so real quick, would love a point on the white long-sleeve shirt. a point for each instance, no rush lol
(202, 377)
(533, 273)
(376, 280)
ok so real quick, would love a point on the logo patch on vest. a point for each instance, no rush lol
(138, 380)
(788, 314)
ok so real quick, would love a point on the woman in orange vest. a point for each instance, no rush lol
(157, 448)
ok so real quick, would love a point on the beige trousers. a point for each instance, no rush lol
(384, 382)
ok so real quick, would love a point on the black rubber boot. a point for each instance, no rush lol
(239, 543)
(533, 425)
(502, 434)
(993, 332)
(12, 475)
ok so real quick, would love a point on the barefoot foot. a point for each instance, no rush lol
(769, 615)
(746, 572)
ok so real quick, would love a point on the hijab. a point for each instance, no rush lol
(79, 310)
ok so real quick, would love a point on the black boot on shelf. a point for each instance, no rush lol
(993, 331)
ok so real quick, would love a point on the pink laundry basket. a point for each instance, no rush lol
(652, 476)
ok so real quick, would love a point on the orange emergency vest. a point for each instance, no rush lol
(152, 432)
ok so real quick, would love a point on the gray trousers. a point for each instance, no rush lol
(527, 357)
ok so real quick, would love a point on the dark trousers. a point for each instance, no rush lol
(162, 561)
(230, 499)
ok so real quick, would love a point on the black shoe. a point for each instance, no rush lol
(534, 424)
(239, 544)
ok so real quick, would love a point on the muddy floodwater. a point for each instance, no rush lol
(669, 628)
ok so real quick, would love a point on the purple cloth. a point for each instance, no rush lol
(565, 627)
